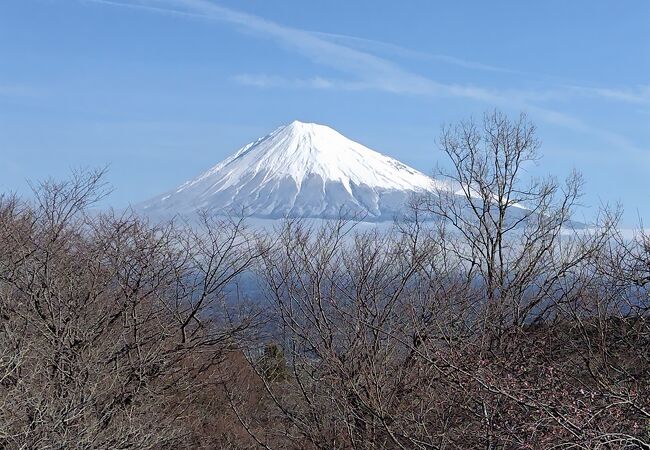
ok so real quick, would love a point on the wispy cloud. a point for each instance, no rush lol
(576, 124)
(367, 71)
(425, 88)
(637, 95)
(274, 81)
(352, 55)
(376, 46)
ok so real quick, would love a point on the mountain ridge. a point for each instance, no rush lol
(299, 170)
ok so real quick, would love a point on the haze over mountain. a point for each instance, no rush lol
(299, 170)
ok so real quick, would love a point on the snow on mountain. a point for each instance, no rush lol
(299, 170)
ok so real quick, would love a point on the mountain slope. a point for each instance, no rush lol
(299, 170)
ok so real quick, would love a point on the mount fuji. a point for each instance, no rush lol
(299, 170)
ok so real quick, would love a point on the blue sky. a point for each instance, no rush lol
(162, 89)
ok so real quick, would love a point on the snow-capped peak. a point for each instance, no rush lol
(301, 169)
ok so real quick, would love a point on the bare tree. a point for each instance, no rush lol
(490, 328)
(113, 332)
(506, 229)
